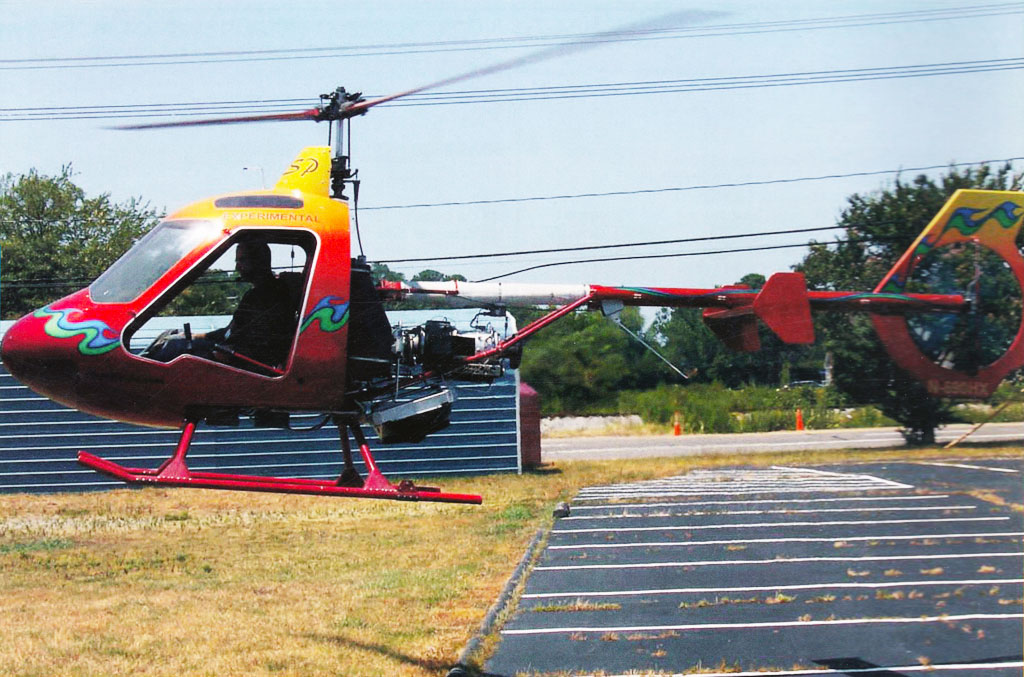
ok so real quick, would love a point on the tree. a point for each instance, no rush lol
(878, 229)
(430, 275)
(55, 239)
(690, 345)
(584, 360)
(380, 271)
(753, 280)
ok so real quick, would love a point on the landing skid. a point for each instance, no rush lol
(174, 472)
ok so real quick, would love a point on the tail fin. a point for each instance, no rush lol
(783, 306)
(989, 218)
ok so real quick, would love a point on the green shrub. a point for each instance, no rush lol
(864, 417)
(713, 408)
(767, 420)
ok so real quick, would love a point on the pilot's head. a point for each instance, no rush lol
(252, 260)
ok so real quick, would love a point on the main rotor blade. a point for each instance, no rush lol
(552, 52)
(311, 114)
(352, 109)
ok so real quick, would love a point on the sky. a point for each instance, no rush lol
(658, 151)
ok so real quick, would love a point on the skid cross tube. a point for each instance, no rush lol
(175, 472)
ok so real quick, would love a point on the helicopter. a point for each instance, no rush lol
(341, 357)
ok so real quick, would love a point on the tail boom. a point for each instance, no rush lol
(992, 219)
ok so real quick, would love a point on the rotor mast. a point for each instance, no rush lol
(337, 108)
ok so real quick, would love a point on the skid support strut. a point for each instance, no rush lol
(176, 473)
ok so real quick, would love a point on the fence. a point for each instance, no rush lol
(39, 439)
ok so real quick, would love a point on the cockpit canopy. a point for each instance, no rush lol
(151, 257)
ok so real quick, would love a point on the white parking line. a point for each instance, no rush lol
(777, 624)
(758, 525)
(779, 560)
(968, 467)
(846, 585)
(844, 476)
(713, 493)
(768, 501)
(785, 511)
(730, 479)
(765, 488)
(885, 670)
(731, 482)
(750, 541)
(736, 489)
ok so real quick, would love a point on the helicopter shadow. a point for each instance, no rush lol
(436, 665)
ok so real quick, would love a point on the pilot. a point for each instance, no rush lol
(261, 328)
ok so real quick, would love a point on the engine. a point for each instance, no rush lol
(439, 347)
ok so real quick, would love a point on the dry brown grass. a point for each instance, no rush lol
(184, 582)
(175, 582)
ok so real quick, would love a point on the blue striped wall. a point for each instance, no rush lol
(39, 440)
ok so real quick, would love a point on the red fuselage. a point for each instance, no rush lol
(76, 350)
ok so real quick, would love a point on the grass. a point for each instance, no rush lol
(187, 582)
(614, 430)
(578, 605)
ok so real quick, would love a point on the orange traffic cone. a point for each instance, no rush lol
(799, 419)
(676, 428)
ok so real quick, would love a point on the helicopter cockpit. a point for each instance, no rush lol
(257, 277)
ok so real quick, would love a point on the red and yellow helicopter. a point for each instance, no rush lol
(339, 355)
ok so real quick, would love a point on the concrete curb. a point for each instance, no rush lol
(461, 669)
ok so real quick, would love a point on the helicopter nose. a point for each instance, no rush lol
(36, 360)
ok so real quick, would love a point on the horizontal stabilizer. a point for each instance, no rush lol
(735, 327)
(783, 306)
(737, 330)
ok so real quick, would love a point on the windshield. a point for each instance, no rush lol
(150, 258)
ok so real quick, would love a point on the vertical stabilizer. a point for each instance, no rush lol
(309, 172)
(783, 306)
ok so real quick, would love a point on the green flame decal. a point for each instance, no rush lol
(97, 336)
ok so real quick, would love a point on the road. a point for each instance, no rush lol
(595, 448)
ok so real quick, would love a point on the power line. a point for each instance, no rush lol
(677, 189)
(652, 243)
(645, 191)
(186, 105)
(713, 84)
(75, 284)
(516, 42)
(520, 94)
(639, 257)
(57, 282)
(563, 250)
(50, 283)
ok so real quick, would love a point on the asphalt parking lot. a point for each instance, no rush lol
(869, 569)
